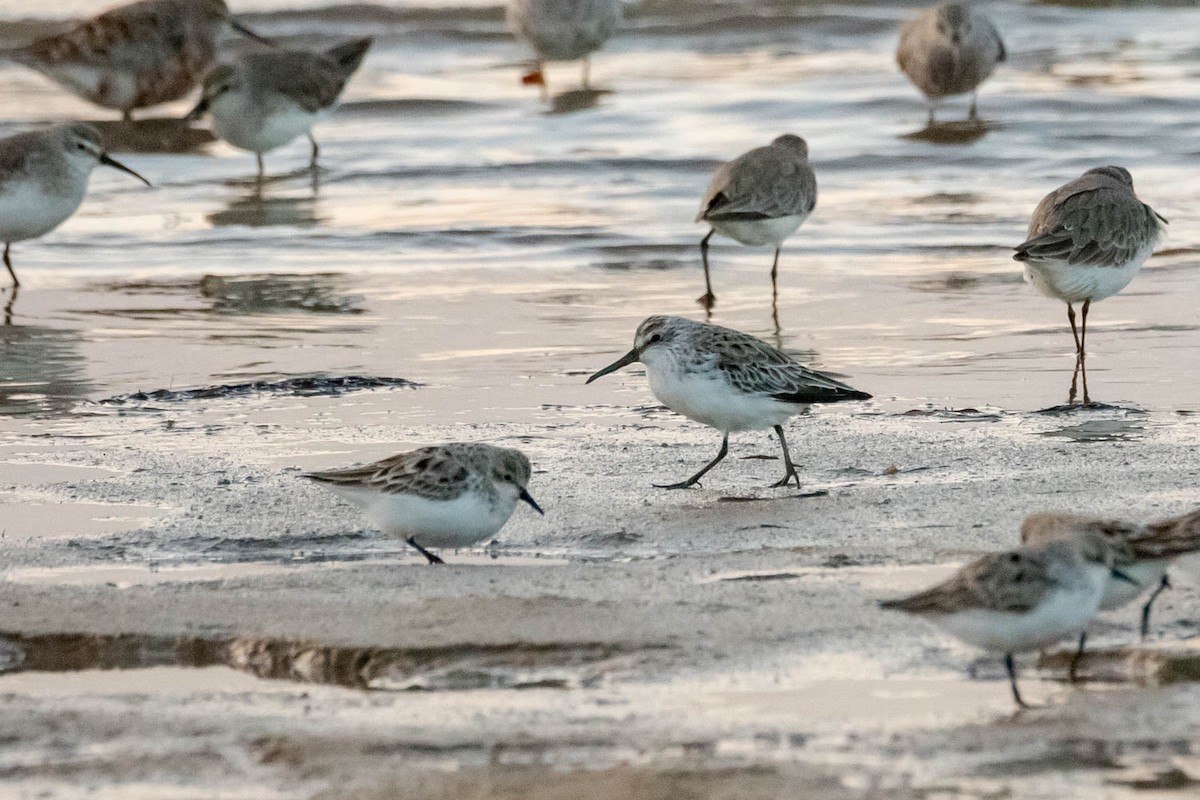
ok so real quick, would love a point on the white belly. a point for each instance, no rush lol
(1063, 613)
(1148, 574)
(258, 130)
(712, 401)
(104, 86)
(1076, 283)
(27, 212)
(460, 522)
(759, 232)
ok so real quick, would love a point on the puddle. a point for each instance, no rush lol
(456, 667)
(308, 386)
(20, 518)
(17, 473)
(898, 579)
(1099, 431)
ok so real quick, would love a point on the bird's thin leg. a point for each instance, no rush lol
(127, 115)
(316, 151)
(774, 277)
(692, 480)
(1073, 667)
(544, 85)
(1164, 584)
(1074, 330)
(789, 469)
(1075, 381)
(1087, 398)
(258, 157)
(432, 558)
(1012, 679)
(1083, 328)
(708, 299)
(8, 263)
(587, 72)
(8, 307)
(974, 114)
(932, 119)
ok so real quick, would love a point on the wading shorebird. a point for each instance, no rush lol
(1087, 240)
(1142, 552)
(449, 495)
(1021, 600)
(727, 380)
(562, 30)
(266, 100)
(134, 56)
(948, 50)
(760, 198)
(44, 178)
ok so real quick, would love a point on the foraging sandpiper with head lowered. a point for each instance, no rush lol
(562, 30)
(44, 178)
(449, 495)
(1020, 600)
(727, 380)
(1143, 552)
(263, 101)
(1087, 240)
(759, 198)
(134, 56)
(948, 50)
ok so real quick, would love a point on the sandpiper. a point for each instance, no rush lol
(265, 100)
(949, 49)
(449, 495)
(760, 198)
(562, 30)
(43, 180)
(1020, 600)
(1143, 552)
(134, 56)
(727, 380)
(1087, 240)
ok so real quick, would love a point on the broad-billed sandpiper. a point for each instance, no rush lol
(1142, 552)
(134, 56)
(949, 49)
(43, 180)
(1020, 600)
(562, 30)
(265, 100)
(759, 198)
(449, 495)
(1087, 240)
(727, 380)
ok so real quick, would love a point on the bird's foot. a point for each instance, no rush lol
(681, 485)
(786, 479)
(707, 300)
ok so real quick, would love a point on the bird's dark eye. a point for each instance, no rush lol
(81, 147)
(656, 338)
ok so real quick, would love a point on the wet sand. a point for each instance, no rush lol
(182, 617)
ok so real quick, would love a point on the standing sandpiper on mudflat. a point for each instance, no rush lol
(134, 56)
(949, 50)
(265, 100)
(759, 198)
(449, 495)
(1020, 600)
(562, 30)
(1142, 552)
(43, 180)
(1087, 240)
(727, 380)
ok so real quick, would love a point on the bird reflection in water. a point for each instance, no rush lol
(41, 369)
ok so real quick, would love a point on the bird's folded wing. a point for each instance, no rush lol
(762, 184)
(1092, 228)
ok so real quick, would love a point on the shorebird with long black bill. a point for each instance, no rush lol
(727, 380)
(134, 56)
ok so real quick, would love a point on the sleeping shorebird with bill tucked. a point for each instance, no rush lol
(134, 56)
(562, 30)
(1142, 552)
(449, 495)
(1087, 240)
(948, 50)
(266, 100)
(1020, 600)
(43, 179)
(759, 198)
(727, 380)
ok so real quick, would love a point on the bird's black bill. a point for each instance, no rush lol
(112, 162)
(1121, 576)
(249, 34)
(528, 498)
(199, 111)
(623, 361)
